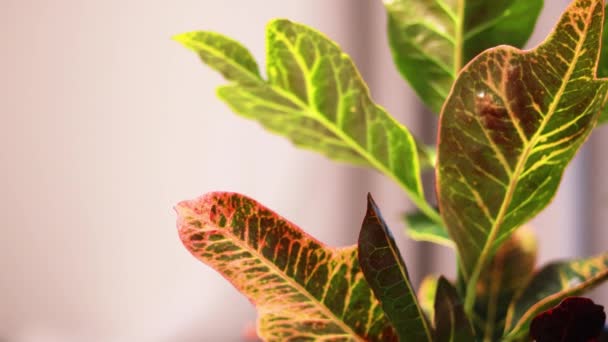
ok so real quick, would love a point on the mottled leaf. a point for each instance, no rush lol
(426, 296)
(510, 126)
(420, 227)
(575, 319)
(387, 275)
(302, 289)
(506, 275)
(315, 97)
(602, 70)
(451, 322)
(551, 285)
(432, 40)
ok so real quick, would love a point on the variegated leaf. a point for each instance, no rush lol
(315, 97)
(420, 227)
(426, 296)
(303, 290)
(510, 126)
(387, 275)
(432, 40)
(602, 70)
(551, 285)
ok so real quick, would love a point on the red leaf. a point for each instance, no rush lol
(575, 319)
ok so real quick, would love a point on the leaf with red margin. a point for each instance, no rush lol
(387, 275)
(551, 285)
(303, 289)
(575, 319)
(511, 124)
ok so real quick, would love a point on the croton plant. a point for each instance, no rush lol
(510, 121)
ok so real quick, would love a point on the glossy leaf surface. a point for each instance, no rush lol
(420, 227)
(509, 128)
(551, 285)
(506, 275)
(315, 97)
(387, 275)
(451, 323)
(432, 40)
(302, 289)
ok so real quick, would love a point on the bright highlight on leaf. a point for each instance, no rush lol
(302, 289)
(387, 275)
(432, 40)
(510, 126)
(315, 97)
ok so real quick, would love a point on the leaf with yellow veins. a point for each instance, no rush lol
(509, 128)
(303, 290)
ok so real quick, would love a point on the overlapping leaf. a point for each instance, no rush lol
(551, 285)
(432, 40)
(387, 275)
(426, 296)
(303, 290)
(451, 322)
(314, 96)
(510, 126)
(506, 275)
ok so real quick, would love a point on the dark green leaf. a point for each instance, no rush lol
(510, 126)
(387, 275)
(451, 323)
(315, 97)
(551, 285)
(303, 290)
(432, 40)
(506, 275)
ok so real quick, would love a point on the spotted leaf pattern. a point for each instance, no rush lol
(387, 275)
(551, 285)
(431, 40)
(303, 290)
(315, 96)
(510, 126)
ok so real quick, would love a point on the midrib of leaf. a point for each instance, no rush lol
(483, 26)
(315, 115)
(535, 308)
(519, 168)
(274, 269)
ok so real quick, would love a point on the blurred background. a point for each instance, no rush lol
(107, 123)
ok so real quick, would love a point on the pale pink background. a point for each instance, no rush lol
(107, 123)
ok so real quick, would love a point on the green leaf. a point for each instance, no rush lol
(387, 275)
(315, 97)
(431, 40)
(551, 285)
(451, 323)
(303, 289)
(426, 296)
(506, 275)
(602, 70)
(420, 228)
(510, 126)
